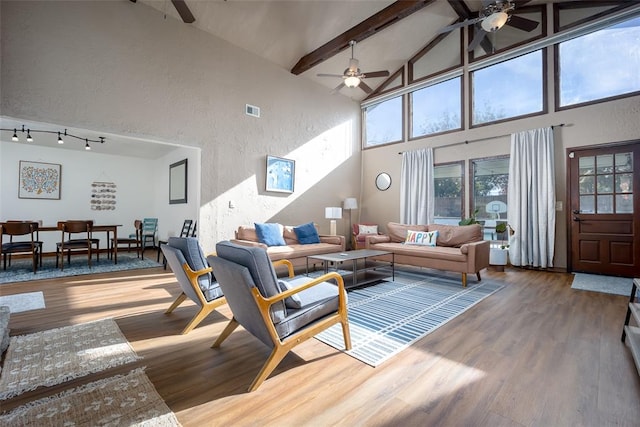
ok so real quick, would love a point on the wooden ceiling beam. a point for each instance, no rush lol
(370, 26)
(183, 11)
(460, 8)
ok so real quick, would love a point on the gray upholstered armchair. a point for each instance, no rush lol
(280, 314)
(187, 261)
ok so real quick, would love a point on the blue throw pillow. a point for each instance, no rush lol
(270, 234)
(307, 233)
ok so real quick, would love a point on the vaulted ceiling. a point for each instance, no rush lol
(310, 37)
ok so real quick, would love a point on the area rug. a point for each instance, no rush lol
(23, 302)
(51, 357)
(604, 284)
(21, 270)
(123, 400)
(389, 316)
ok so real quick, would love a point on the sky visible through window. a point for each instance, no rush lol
(437, 108)
(384, 122)
(601, 64)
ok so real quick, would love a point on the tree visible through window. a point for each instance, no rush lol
(449, 194)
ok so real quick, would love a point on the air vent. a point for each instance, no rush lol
(252, 110)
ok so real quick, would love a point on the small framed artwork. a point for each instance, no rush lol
(178, 182)
(39, 180)
(280, 174)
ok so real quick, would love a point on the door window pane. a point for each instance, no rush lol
(587, 204)
(587, 184)
(587, 165)
(624, 203)
(604, 163)
(605, 184)
(605, 204)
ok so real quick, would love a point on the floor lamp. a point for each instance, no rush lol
(333, 214)
(349, 204)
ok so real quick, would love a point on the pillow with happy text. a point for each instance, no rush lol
(422, 238)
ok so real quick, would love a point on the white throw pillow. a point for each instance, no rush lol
(422, 238)
(367, 229)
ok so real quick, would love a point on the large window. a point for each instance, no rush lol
(489, 182)
(509, 89)
(383, 122)
(437, 108)
(449, 192)
(600, 65)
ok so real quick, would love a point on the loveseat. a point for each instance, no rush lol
(444, 247)
(291, 249)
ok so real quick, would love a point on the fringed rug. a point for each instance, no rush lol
(123, 400)
(21, 270)
(51, 357)
(388, 317)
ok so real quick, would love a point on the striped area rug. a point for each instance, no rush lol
(388, 317)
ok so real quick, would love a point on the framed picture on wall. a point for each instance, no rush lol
(280, 174)
(178, 182)
(38, 180)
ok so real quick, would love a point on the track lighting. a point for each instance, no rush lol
(29, 138)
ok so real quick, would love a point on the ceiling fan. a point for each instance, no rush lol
(494, 15)
(353, 76)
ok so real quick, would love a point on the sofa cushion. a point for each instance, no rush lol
(456, 235)
(313, 295)
(398, 232)
(432, 252)
(270, 234)
(307, 233)
(246, 232)
(300, 251)
(421, 238)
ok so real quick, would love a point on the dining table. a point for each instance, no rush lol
(105, 228)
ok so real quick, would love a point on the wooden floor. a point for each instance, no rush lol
(536, 353)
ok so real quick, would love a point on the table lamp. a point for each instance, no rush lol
(333, 213)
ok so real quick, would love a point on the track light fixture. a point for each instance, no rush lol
(29, 138)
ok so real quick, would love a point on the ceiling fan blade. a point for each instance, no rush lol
(183, 11)
(365, 87)
(328, 75)
(459, 25)
(480, 35)
(374, 74)
(521, 23)
(337, 88)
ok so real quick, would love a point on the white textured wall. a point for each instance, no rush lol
(120, 67)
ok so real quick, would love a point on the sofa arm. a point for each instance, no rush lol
(333, 240)
(372, 239)
(477, 255)
(249, 243)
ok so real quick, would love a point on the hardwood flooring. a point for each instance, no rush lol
(536, 353)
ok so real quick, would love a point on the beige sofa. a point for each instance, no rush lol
(294, 251)
(458, 248)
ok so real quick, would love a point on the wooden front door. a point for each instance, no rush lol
(604, 216)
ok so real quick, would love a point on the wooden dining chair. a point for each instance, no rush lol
(185, 232)
(31, 246)
(84, 241)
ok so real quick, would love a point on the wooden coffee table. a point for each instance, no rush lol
(360, 263)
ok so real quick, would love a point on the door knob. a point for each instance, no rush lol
(575, 218)
(576, 211)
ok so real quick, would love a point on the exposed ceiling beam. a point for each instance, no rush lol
(183, 11)
(370, 26)
(460, 8)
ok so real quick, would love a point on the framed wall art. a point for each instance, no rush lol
(178, 182)
(280, 174)
(39, 180)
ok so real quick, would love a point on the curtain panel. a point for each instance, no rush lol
(417, 187)
(531, 198)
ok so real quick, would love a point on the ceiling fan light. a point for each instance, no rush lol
(352, 81)
(494, 22)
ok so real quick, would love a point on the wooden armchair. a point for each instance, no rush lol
(187, 261)
(280, 314)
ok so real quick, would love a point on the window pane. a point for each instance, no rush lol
(624, 162)
(587, 204)
(604, 163)
(587, 165)
(448, 193)
(605, 184)
(509, 89)
(437, 108)
(587, 184)
(624, 183)
(605, 204)
(599, 65)
(383, 122)
(490, 184)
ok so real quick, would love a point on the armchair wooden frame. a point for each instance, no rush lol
(206, 307)
(282, 347)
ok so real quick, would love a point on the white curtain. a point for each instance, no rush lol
(416, 187)
(531, 198)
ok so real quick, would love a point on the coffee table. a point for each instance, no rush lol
(360, 261)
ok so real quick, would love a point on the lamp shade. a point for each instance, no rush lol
(351, 81)
(333, 213)
(350, 203)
